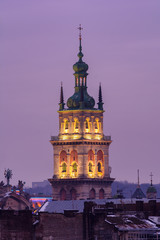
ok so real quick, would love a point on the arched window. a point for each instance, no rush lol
(91, 155)
(73, 194)
(100, 163)
(63, 156)
(100, 156)
(76, 124)
(92, 194)
(74, 167)
(87, 124)
(101, 193)
(99, 167)
(64, 167)
(62, 194)
(96, 124)
(74, 156)
(90, 166)
(66, 124)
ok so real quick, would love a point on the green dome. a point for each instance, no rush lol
(80, 67)
(151, 189)
(74, 102)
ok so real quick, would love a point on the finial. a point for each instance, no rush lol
(100, 93)
(100, 103)
(80, 28)
(151, 175)
(80, 54)
(61, 104)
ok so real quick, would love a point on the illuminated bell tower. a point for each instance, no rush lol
(81, 150)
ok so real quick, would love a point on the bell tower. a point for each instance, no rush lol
(81, 150)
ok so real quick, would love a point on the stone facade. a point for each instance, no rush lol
(81, 150)
(16, 225)
(59, 227)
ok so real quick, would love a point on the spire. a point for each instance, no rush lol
(151, 175)
(80, 67)
(61, 104)
(138, 178)
(100, 102)
(80, 54)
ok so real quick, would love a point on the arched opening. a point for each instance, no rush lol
(90, 167)
(100, 163)
(92, 194)
(73, 194)
(62, 194)
(99, 167)
(90, 163)
(64, 167)
(87, 125)
(73, 157)
(96, 124)
(74, 167)
(66, 125)
(100, 156)
(63, 156)
(101, 193)
(91, 155)
(76, 125)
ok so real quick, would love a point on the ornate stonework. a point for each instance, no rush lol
(81, 151)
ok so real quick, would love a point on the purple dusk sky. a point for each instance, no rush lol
(39, 45)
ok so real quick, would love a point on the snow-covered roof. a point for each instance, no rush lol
(78, 205)
(130, 223)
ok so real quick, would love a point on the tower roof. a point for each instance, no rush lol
(138, 193)
(80, 99)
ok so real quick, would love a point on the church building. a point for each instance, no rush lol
(81, 150)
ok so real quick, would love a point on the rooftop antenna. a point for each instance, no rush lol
(138, 178)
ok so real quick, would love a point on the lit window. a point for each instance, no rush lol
(64, 168)
(99, 167)
(76, 124)
(66, 124)
(74, 167)
(90, 167)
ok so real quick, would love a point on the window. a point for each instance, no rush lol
(99, 167)
(73, 194)
(101, 193)
(90, 167)
(74, 167)
(87, 124)
(92, 194)
(91, 155)
(63, 156)
(76, 124)
(66, 124)
(62, 194)
(64, 168)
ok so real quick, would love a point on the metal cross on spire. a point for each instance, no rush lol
(80, 29)
(151, 175)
